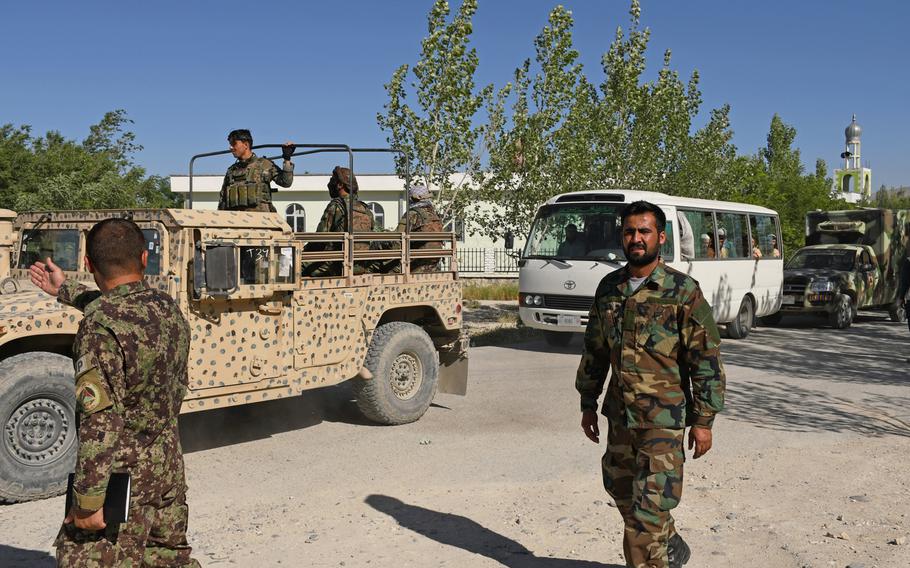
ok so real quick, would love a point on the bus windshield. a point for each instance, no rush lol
(576, 231)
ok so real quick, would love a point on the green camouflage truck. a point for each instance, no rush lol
(851, 261)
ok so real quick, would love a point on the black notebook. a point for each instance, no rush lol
(116, 500)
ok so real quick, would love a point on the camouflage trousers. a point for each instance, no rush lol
(643, 472)
(153, 536)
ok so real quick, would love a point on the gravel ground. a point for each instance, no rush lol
(809, 469)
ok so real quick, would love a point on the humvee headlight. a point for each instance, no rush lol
(821, 286)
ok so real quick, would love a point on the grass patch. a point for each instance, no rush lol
(505, 292)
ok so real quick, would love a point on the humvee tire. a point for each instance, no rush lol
(842, 315)
(405, 370)
(897, 313)
(38, 426)
(742, 324)
(558, 338)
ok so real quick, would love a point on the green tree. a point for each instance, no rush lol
(50, 172)
(438, 134)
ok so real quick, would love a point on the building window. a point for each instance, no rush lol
(456, 226)
(378, 213)
(296, 217)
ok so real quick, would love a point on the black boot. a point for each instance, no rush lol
(678, 552)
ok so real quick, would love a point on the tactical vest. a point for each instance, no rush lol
(363, 219)
(425, 220)
(248, 184)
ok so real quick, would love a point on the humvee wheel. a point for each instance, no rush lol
(37, 425)
(842, 316)
(740, 327)
(897, 312)
(403, 362)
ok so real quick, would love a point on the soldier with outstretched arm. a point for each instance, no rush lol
(652, 329)
(130, 356)
(247, 183)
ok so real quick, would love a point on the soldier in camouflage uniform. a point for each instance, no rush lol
(335, 220)
(653, 328)
(247, 182)
(423, 219)
(131, 375)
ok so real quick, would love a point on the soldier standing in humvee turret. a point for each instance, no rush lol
(247, 182)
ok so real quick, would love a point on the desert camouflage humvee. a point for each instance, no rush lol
(851, 262)
(260, 330)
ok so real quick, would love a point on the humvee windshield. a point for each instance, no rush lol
(832, 259)
(61, 245)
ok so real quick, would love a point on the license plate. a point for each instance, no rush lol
(788, 300)
(572, 321)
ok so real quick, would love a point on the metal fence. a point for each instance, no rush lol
(487, 261)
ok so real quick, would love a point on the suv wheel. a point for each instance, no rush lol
(37, 425)
(402, 359)
(842, 315)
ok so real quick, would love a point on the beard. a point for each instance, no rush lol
(645, 258)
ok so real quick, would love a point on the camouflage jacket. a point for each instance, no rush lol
(131, 354)
(335, 218)
(247, 183)
(663, 348)
(423, 218)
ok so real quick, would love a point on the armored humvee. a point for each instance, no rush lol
(851, 262)
(261, 330)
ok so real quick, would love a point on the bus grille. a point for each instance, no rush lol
(559, 302)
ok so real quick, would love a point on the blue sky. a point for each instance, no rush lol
(188, 72)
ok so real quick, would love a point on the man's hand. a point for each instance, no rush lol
(47, 276)
(287, 150)
(87, 521)
(589, 425)
(700, 439)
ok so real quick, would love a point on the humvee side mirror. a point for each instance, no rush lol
(510, 240)
(215, 269)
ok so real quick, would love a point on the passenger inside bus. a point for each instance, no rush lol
(707, 246)
(572, 246)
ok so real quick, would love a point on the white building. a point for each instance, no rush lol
(302, 205)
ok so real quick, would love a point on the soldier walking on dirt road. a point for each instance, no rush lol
(131, 354)
(653, 328)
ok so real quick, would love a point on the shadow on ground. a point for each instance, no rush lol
(784, 406)
(237, 424)
(12, 557)
(462, 532)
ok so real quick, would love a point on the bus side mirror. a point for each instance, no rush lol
(510, 240)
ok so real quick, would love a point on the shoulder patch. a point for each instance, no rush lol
(84, 364)
(91, 392)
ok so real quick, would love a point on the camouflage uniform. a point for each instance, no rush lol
(423, 219)
(335, 220)
(246, 184)
(663, 348)
(131, 375)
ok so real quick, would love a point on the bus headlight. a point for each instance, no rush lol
(821, 285)
(538, 300)
(531, 299)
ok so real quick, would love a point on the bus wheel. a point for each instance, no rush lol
(842, 315)
(897, 312)
(37, 425)
(558, 338)
(402, 359)
(740, 327)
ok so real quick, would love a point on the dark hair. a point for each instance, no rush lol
(241, 134)
(115, 247)
(642, 207)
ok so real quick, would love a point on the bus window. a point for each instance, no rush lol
(764, 231)
(666, 250)
(733, 236)
(702, 224)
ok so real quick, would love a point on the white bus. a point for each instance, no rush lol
(733, 250)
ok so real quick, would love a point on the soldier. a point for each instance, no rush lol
(131, 375)
(246, 183)
(335, 220)
(423, 219)
(653, 328)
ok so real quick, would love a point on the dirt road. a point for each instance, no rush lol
(809, 469)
